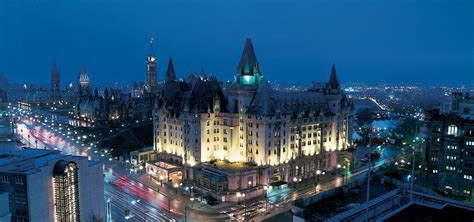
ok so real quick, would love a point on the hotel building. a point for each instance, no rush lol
(244, 134)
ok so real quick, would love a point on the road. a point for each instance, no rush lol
(126, 192)
(50, 132)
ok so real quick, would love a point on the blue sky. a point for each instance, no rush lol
(403, 41)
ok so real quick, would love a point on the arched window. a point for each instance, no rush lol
(453, 130)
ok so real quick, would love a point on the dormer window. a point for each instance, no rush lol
(452, 130)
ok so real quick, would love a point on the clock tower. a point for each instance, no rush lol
(151, 70)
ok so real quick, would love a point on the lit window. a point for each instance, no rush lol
(452, 130)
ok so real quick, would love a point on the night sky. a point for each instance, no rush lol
(399, 41)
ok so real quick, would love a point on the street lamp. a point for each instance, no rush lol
(245, 199)
(265, 189)
(238, 197)
(344, 175)
(318, 172)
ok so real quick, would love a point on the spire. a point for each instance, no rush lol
(55, 78)
(333, 82)
(248, 71)
(248, 60)
(55, 69)
(170, 73)
(151, 45)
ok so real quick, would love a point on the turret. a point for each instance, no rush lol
(248, 70)
(170, 73)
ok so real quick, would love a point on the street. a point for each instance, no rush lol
(127, 190)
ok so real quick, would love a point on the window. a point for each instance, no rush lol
(17, 198)
(19, 180)
(451, 168)
(452, 130)
(5, 179)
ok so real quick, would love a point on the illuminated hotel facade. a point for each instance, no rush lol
(45, 185)
(248, 128)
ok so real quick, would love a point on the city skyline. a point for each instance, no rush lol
(218, 110)
(403, 50)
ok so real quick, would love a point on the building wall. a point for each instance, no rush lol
(39, 195)
(265, 140)
(450, 155)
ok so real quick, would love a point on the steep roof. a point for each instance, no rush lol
(248, 58)
(333, 82)
(248, 64)
(262, 101)
(170, 73)
(55, 70)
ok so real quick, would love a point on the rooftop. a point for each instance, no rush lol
(27, 160)
(420, 212)
(164, 165)
(230, 166)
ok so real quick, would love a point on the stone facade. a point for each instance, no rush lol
(290, 133)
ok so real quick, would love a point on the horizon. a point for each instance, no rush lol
(111, 39)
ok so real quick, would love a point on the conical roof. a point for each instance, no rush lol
(248, 57)
(170, 73)
(248, 60)
(333, 82)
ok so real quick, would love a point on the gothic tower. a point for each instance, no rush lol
(55, 80)
(84, 84)
(248, 70)
(151, 70)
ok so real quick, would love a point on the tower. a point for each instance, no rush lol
(84, 83)
(170, 73)
(55, 80)
(151, 70)
(248, 70)
(333, 82)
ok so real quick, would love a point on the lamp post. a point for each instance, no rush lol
(265, 189)
(344, 175)
(318, 172)
(238, 197)
(185, 214)
(245, 199)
